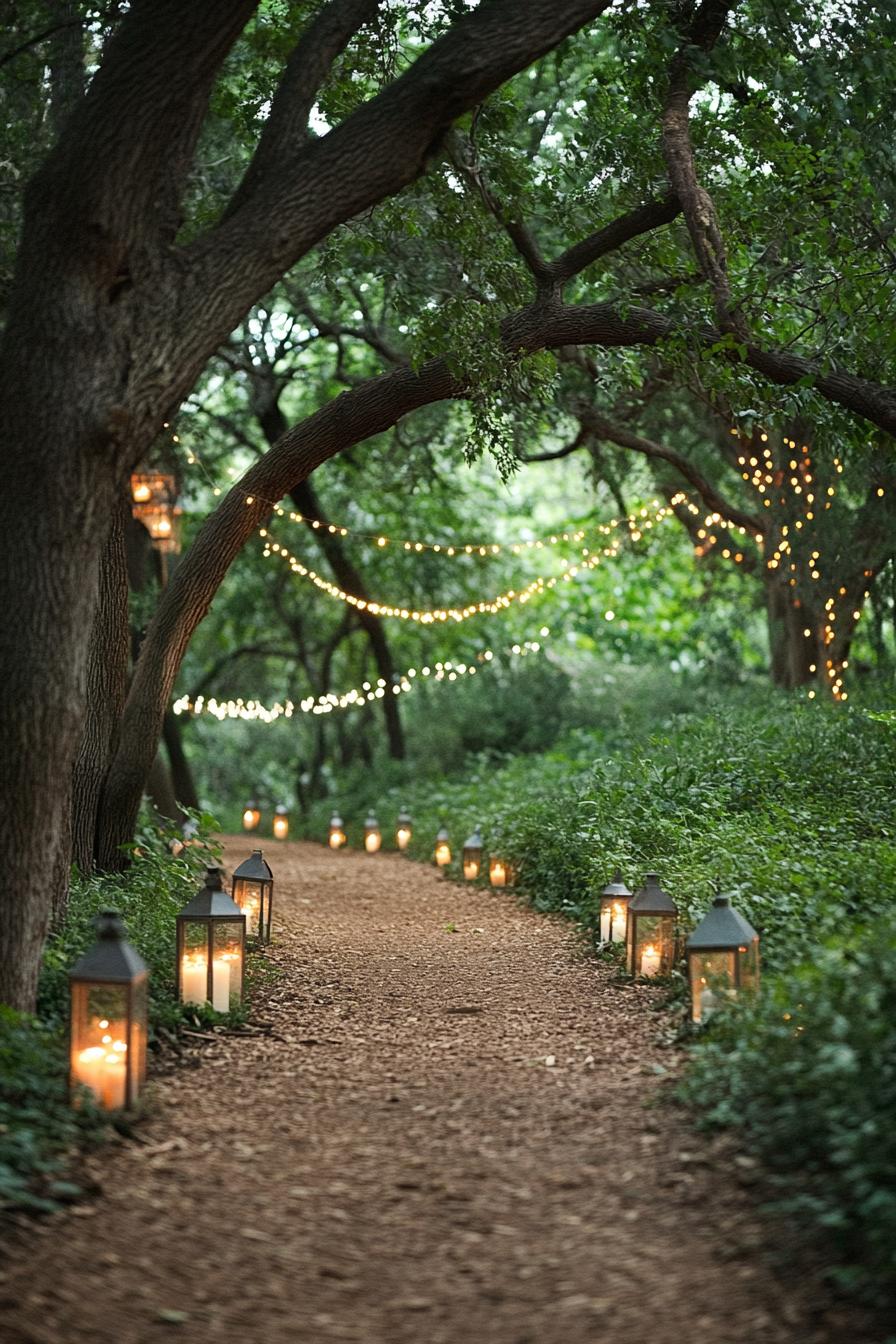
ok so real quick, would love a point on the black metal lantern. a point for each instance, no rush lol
(373, 836)
(404, 830)
(336, 836)
(108, 985)
(442, 853)
(723, 958)
(471, 858)
(253, 892)
(211, 947)
(614, 901)
(650, 930)
(251, 816)
(281, 822)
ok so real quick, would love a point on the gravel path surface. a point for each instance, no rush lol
(452, 1135)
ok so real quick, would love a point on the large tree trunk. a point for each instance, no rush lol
(106, 682)
(181, 772)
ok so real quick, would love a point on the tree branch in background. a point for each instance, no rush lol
(699, 211)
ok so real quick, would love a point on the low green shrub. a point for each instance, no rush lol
(808, 1073)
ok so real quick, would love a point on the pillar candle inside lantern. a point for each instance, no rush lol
(402, 837)
(650, 961)
(498, 874)
(372, 841)
(471, 869)
(194, 979)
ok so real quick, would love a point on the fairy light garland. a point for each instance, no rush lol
(638, 523)
(253, 710)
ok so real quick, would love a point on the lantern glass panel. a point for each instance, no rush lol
(472, 862)
(403, 836)
(251, 898)
(650, 944)
(443, 853)
(251, 818)
(107, 1052)
(336, 837)
(372, 840)
(613, 917)
(712, 981)
(227, 964)
(281, 826)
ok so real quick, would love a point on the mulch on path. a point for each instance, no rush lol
(449, 1136)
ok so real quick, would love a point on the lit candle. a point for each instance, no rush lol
(443, 855)
(194, 979)
(498, 874)
(471, 869)
(115, 1077)
(221, 982)
(248, 819)
(336, 839)
(372, 841)
(402, 837)
(281, 828)
(650, 960)
(89, 1069)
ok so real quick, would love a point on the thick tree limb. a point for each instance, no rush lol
(375, 152)
(643, 219)
(285, 133)
(699, 212)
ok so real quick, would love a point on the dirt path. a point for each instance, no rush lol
(451, 1139)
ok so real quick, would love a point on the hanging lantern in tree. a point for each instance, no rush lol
(404, 830)
(108, 1018)
(211, 947)
(281, 822)
(443, 848)
(471, 857)
(650, 930)
(253, 892)
(154, 495)
(251, 816)
(336, 837)
(723, 958)
(372, 835)
(614, 901)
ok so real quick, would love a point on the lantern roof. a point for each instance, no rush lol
(255, 868)
(336, 820)
(252, 805)
(211, 900)
(404, 817)
(282, 810)
(473, 841)
(442, 833)
(616, 887)
(371, 824)
(112, 958)
(721, 929)
(651, 899)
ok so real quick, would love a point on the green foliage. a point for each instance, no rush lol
(808, 1072)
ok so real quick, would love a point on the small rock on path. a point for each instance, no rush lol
(451, 1136)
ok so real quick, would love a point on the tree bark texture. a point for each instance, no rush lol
(106, 679)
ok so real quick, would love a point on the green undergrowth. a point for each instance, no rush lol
(40, 1133)
(790, 807)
